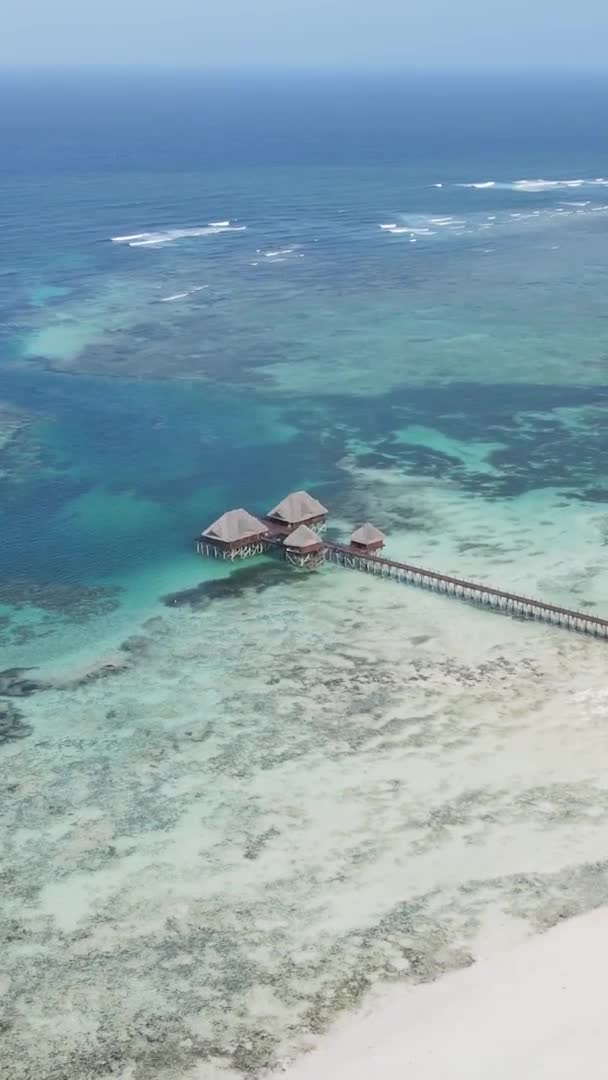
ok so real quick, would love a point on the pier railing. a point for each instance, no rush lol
(475, 592)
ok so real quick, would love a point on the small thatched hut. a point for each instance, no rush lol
(303, 547)
(367, 538)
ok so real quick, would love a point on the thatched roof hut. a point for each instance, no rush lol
(368, 537)
(303, 539)
(235, 527)
(297, 509)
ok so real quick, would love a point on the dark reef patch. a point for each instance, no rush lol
(79, 602)
(255, 579)
(95, 674)
(18, 454)
(12, 725)
(546, 436)
(173, 350)
(16, 682)
(136, 645)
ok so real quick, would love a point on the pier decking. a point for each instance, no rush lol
(309, 550)
(474, 592)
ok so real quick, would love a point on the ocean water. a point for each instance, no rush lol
(239, 799)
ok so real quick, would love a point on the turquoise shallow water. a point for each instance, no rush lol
(241, 800)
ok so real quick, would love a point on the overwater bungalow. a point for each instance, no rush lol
(367, 538)
(299, 508)
(236, 534)
(303, 547)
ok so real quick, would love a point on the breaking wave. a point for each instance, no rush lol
(167, 236)
(413, 230)
(550, 185)
(539, 184)
(182, 295)
(433, 229)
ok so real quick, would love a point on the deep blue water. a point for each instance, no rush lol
(116, 121)
(171, 409)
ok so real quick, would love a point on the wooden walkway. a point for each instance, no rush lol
(347, 555)
(509, 603)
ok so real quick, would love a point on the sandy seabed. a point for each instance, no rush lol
(195, 888)
(538, 1010)
(265, 805)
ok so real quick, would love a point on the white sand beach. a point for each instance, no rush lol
(537, 1010)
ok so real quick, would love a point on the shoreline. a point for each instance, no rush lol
(534, 1010)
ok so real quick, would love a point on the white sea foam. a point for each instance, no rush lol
(539, 184)
(543, 185)
(126, 239)
(182, 295)
(424, 227)
(279, 251)
(447, 222)
(152, 240)
(550, 185)
(167, 236)
(419, 230)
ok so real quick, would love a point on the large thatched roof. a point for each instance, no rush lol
(235, 525)
(367, 534)
(299, 506)
(302, 538)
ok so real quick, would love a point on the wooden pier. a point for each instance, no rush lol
(293, 531)
(510, 603)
